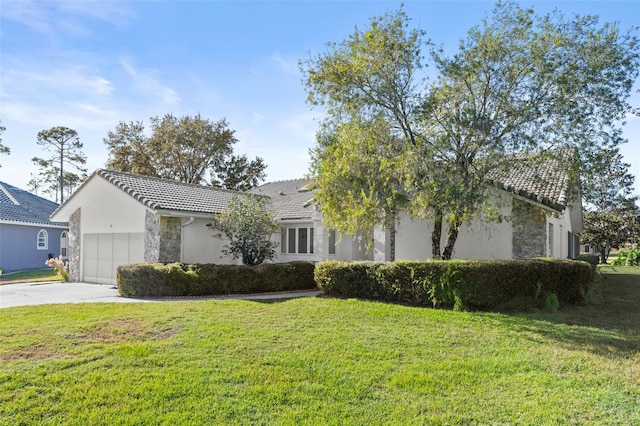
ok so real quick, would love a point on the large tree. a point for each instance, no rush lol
(188, 149)
(66, 151)
(3, 149)
(360, 178)
(248, 224)
(611, 215)
(238, 173)
(367, 84)
(519, 83)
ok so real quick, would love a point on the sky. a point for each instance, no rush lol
(89, 65)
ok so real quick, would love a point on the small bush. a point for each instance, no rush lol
(60, 266)
(592, 259)
(178, 279)
(551, 303)
(628, 257)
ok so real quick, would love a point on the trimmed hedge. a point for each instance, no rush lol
(178, 279)
(460, 285)
(592, 259)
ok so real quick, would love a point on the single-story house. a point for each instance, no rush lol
(27, 236)
(118, 218)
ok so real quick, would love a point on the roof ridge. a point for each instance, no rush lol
(103, 172)
(8, 194)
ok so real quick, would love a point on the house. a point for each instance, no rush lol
(303, 235)
(118, 218)
(27, 236)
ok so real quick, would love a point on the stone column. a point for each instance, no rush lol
(170, 239)
(529, 230)
(74, 248)
(151, 237)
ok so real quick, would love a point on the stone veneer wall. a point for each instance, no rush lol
(75, 248)
(529, 230)
(151, 237)
(170, 239)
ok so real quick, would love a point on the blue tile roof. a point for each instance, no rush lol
(17, 205)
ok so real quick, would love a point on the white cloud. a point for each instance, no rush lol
(74, 78)
(286, 65)
(53, 18)
(146, 81)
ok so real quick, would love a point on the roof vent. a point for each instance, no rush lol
(281, 193)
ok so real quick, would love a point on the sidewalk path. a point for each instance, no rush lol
(56, 292)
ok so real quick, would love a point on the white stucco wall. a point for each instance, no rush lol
(478, 239)
(200, 246)
(559, 247)
(107, 209)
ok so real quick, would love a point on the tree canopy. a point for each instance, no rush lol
(519, 83)
(612, 217)
(187, 149)
(3, 149)
(66, 150)
(248, 224)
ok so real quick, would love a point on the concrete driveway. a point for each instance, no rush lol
(56, 292)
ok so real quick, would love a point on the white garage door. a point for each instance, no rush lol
(103, 253)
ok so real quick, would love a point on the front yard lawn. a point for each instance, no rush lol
(33, 275)
(323, 361)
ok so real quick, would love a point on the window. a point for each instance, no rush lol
(283, 241)
(551, 240)
(64, 243)
(332, 241)
(297, 241)
(292, 240)
(43, 240)
(302, 240)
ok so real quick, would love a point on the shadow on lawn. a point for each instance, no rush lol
(609, 324)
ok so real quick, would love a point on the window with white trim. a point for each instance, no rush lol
(43, 240)
(64, 243)
(297, 241)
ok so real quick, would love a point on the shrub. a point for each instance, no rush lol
(628, 257)
(459, 285)
(592, 259)
(178, 279)
(551, 303)
(60, 266)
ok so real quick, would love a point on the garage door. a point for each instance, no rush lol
(103, 253)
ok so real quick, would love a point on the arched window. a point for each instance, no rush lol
(64, 243)
(43, 240)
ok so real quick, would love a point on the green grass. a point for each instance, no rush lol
(323, 361)
(33, 275)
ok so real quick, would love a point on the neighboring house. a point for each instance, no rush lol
(27, 236)
(118, 218)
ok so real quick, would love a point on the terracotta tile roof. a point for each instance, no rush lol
(164, 194)
(17, 205)
(289, 197)
(544, 179)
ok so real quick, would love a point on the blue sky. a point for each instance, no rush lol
(91, 64)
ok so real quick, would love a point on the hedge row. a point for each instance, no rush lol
(178, 279)
(462, 285)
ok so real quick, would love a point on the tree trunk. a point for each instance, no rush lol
(61, 174)
(436, 236)
(392, 243)
(452, 236)
(603, 255)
